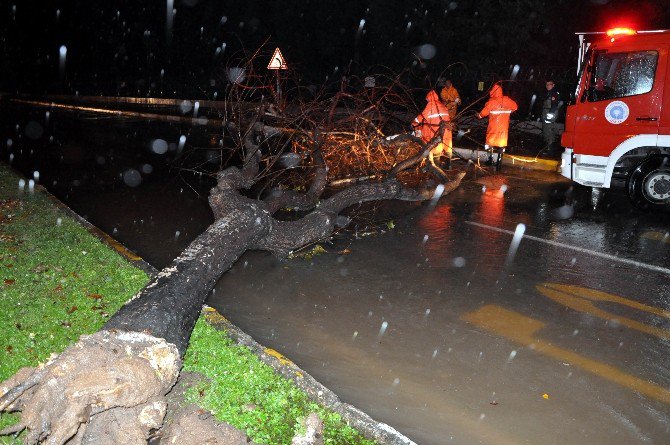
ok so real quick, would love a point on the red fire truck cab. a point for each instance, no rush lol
(617, 129)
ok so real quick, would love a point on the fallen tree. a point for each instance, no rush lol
(110, 387)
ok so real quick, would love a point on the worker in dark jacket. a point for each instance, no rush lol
(549, 114)
(498, 109)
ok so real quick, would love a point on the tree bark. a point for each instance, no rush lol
(122, 373)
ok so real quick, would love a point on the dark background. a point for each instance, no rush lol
(117, 47)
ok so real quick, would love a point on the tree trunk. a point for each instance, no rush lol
(121, 374)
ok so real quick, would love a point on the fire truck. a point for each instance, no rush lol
(617, 127)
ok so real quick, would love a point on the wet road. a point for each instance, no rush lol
(438, 329)
(443, 326)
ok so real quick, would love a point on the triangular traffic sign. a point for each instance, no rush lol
(277, 62)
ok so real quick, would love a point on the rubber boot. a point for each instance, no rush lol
(501, 150)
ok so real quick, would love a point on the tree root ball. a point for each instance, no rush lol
(107, 388)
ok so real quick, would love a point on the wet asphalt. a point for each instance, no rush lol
(438, 329)
(518, 309)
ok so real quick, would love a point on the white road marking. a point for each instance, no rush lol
(576, 248)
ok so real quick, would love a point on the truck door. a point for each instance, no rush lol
(622, 98)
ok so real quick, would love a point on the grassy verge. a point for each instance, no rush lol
(249, 395)
(58, 282)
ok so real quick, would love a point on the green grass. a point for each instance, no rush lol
(58, 282)
(248, 394)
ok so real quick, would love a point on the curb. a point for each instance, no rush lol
(370, 428)
(122, 250)
(527, 162)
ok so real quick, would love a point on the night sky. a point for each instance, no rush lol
(128, 48)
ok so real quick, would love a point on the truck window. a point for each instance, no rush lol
(618, 75)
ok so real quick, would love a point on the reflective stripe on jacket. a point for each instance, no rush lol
(498, 109)
(428, 122)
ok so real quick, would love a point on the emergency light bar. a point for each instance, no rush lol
(620, 32)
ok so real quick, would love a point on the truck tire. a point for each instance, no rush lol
(649, 183)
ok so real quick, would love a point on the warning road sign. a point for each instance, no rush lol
(277, 62)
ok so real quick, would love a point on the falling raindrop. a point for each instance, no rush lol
(483, 189)
(426, 51)
(132, 178)
(434, 354)
(503, 188)
(185, 106)
(383, 328)
(176, 234)
(515, 71)
(159, 146)
(511, 356)
(459, 261)
(439, 190)
(62, 55)
(22, 184)
(31, 185)
(396, 381)
(425, 239)
(514, 245)
(361, 24)
(236, 75)
(170, 12)
(427, 312)
(36, 176)
(59, 221)
(355, 335)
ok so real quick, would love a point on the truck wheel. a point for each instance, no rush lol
(649, 184)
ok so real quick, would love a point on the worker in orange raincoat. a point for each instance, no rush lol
(450, 98)
(427, 124)
(498, 109)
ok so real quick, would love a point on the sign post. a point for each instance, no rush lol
(277, 63)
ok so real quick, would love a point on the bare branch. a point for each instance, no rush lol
(287, 236)
(279, 199)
